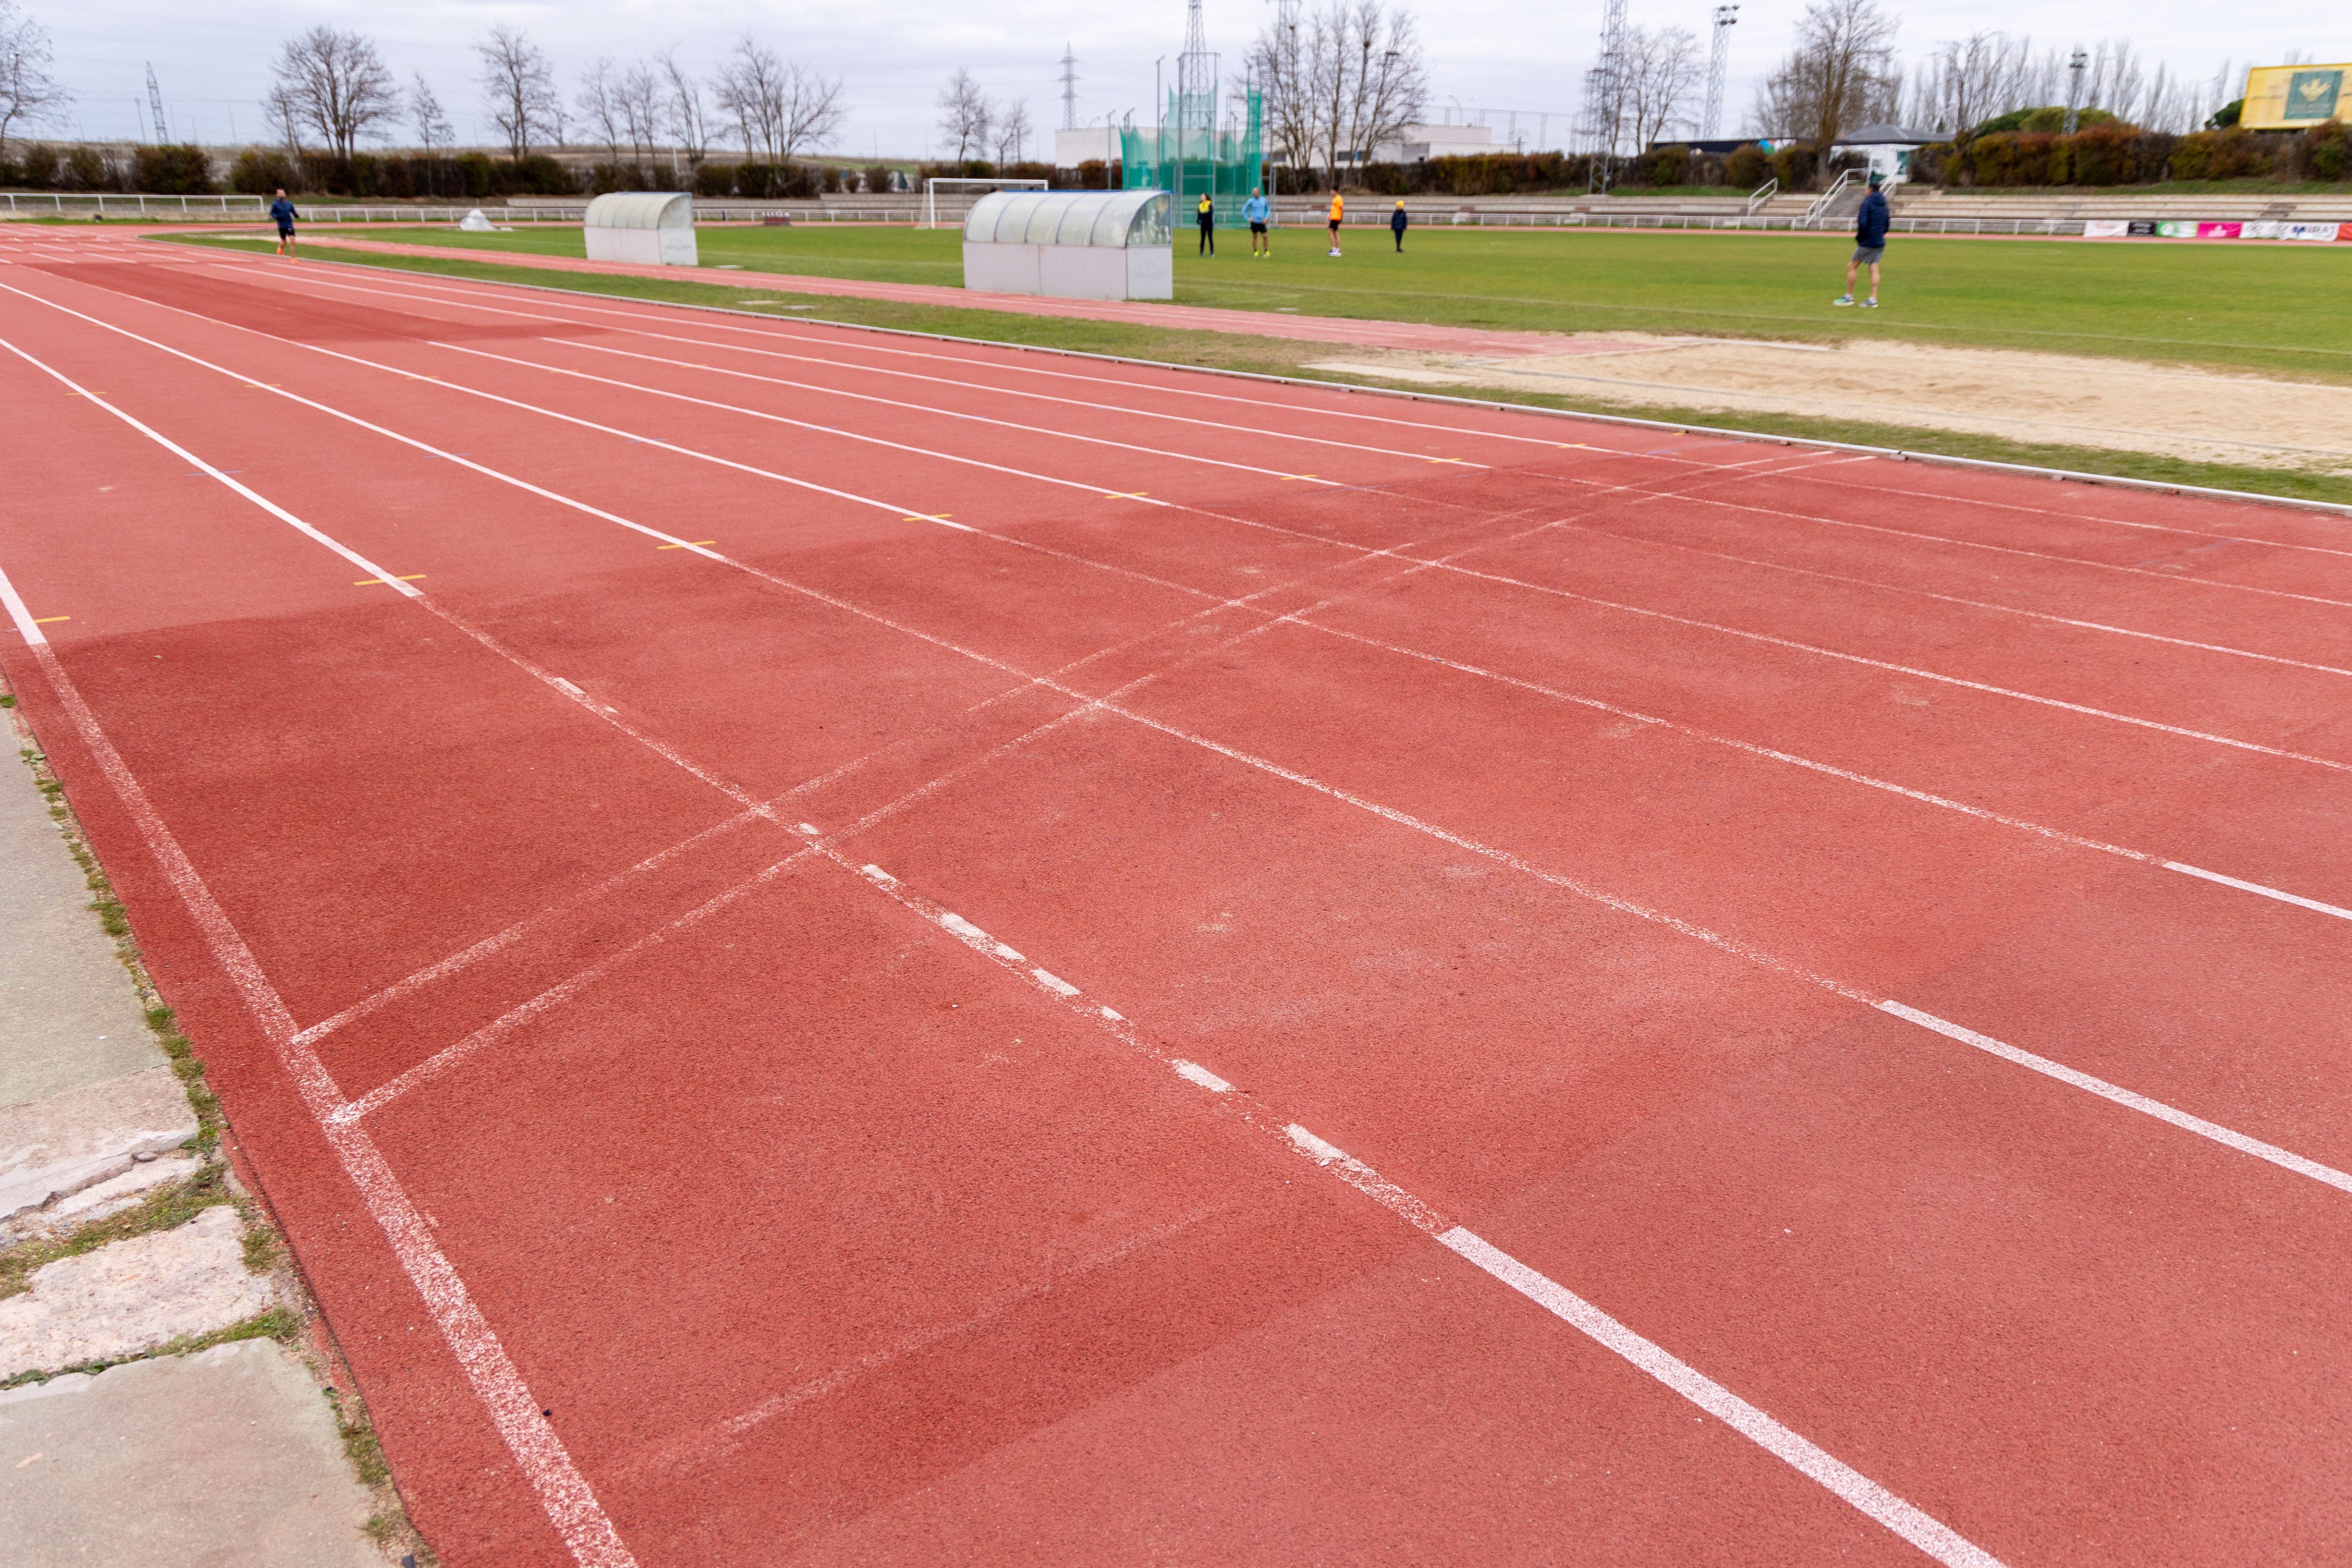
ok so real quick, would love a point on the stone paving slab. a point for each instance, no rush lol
(68, 1013)
(88, 1134)
(133, 1296)
(228, 1458)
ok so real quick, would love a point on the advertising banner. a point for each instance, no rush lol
(2177, 230)
(2101, 229)
(2218, 230)
(2141, 228)
(2295, 97)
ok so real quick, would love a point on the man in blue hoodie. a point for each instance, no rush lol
(282, 212)
(1255, 210)
(1870, 226)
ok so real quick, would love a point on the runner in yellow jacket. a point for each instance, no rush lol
(1337, 207)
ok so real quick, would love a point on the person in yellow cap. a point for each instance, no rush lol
(1397, 220)
(1338, 208)
(1207, 213)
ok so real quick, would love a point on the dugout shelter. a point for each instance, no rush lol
(655, 228)
(1072, 244)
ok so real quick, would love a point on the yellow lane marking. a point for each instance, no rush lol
(49, 620)
(372, 582)
(928, 517)
(1298, 476)
(690, 543)
(1126, 495)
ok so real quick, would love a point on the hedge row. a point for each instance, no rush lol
(2121, 154)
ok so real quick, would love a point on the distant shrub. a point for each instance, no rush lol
(714, 181)
(1748, 167)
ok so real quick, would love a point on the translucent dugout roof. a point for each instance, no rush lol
(1116, 218)
(642, 209)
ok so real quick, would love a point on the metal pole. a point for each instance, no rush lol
(1717, 65)
(2074, 90)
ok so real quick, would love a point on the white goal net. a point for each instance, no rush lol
(955, 185)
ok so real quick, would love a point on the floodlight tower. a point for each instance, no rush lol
(155, 105)
(1606, 87)
(1069, 88)
(1196, 91)
(1719, 62)
(2074, 90)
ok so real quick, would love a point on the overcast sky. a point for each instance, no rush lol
(214, 64)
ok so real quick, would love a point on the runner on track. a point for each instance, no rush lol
(1337, 207)
(282, 212)
(1207, 213)
(1257, 209)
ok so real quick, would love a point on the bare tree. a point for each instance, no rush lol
(1842, 72)
(689, 125)
(1278, 64)
(600, 106)
(965, 114)
(638, 92)
(1364, 76)
(1663, 70)
(285, 116)
(812, 111)
(1963, 82)
(1013, 129)
(29, 93)
(433, 131)
(518, 89)
(336, 83)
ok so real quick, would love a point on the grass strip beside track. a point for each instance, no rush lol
(1277, 356)
(2276, 307)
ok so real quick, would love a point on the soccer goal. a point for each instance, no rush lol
(932, 192)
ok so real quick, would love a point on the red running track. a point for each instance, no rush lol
(842, 948)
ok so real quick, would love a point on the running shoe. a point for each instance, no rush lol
(1843, 299)
(1870, 304)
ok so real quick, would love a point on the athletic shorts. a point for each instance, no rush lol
(1257, 229)
(285, 231)
(1868, 255)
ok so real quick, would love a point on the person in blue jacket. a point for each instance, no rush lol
(282, 214)
(1397, 220)
(1257, 210)
(1870, 226)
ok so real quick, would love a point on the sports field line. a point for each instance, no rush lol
(573, 1508)
(2002, 549)
(1927, 1533)
(1417, 563)
(1761, 957)
(1090, 405)
(865, 398)
(1639, 539)
(563, 1494)
(2186, 734)
(469, 295)
(671, 540)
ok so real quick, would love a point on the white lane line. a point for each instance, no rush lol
(2285, 1159)
(870, 397)
(1954, 599)
(1722, 941)
(563, 1493)
(1867, 781)
(273, 509)
(542, 315)
(1738, 948)
(1093, 489)
(26, 627)
(1985, 686)
(1922, 1529)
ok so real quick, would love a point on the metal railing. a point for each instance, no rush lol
(1837, 189)
(59, 202)
(1762, 193)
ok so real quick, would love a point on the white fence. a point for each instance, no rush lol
(255, 209)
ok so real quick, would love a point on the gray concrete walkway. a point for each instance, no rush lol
(229, 1455)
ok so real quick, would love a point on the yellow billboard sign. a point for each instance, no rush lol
(2296, 98)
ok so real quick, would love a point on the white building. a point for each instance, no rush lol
(1888, 148)
(1415, 143)
(1097, 142)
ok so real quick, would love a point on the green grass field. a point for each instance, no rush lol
(850, 252)
(2274, 308)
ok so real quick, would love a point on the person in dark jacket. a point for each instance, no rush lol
(282, 214)
(1397, 220)
(1870, 226)
(1207, 213)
